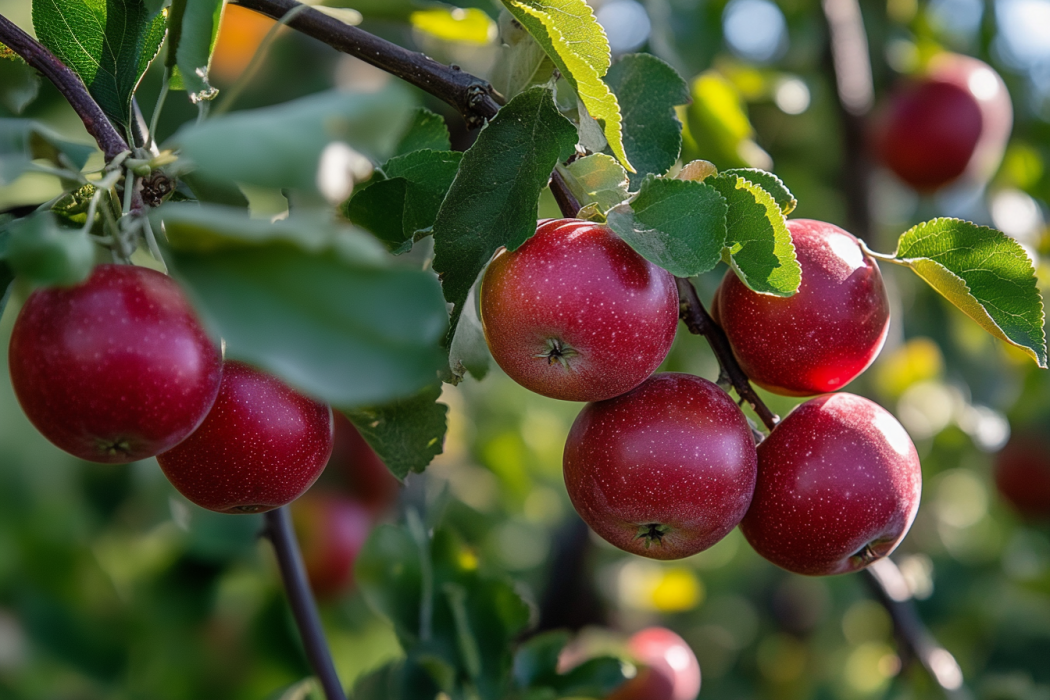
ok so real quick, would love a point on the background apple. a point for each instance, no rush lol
(825, 335)
(838, 487)
(356, 470)
(952, 120)
(331, 529)
(576, 314)
(115, 369)
(669, 668)
(664, 471)
(1022, 473)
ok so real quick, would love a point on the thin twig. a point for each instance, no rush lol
(566, 200)
(699, 322)
(67, 82)
(473, 97)
(297, 587)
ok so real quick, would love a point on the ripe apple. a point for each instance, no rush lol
(838, 487)
(115, 369)
(664, 471)
(1022, 474)
(576, 314)
(823, 336)
(953, 120)
(360, 471)
(669, 670)
(331, 530)
(261, 446)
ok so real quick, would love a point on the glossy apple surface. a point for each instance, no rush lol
(331, 531)
(576, 314)
(669, 670)
(1022, 474)
(954, 120)
(261, 446)
(358, 469)
(838, 487)
(822, 337)
(664, 471)
(115, 369)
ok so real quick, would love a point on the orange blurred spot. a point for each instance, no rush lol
(240, 34)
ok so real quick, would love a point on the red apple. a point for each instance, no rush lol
(669, 670)
(664, 471)
(838, 487)
(261, 446)
(115, 369)
(358, 467)
(576, 314)
(953, 120)
(823, 336)
(331, 530)
(1022, 474)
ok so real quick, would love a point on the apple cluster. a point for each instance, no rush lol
(665, 465)
(119, 369)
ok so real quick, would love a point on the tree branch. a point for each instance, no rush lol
(473, 97)
(297, 587)
(699, 322)
(68, 83)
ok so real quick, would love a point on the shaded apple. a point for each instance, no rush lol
(359, 471)
(1022, 474)
(576, 314)
(115, 369)
(823, 336)
(952, 121)
(838, 487)
(261, 446)
(331, 529)
(664, 471)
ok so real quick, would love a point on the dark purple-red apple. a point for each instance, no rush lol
(357, 467)
(261, 446)
(664, 471)
(822, 337)
(669, 668)
(331, 530)
(114, 369)
(1022, 474)
(953, 120)
(838, 487)
(576, 314)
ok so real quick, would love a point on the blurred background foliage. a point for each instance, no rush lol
(113, 586)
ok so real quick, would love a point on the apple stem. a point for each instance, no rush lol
(699, 322)
(301, 598)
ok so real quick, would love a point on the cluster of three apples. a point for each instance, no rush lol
(665, 465)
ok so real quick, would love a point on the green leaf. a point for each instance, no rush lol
(469, 351)
(7, 277)
(985, 273)
(594, 678)
(395, 209)
(44, 254)
(677, 224)
(319, 305)
(22, 141)
(758, 244)
(19, 85)
(281, 146)
(719, 127)
(521, 64)
(569, 33)
(771, 184)
(406, 434)
(599, 179)
(648, 90)
(493, 200)
(389, 571)
(193, 27)
(536, 661)
(108, 44)
(426, 130)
